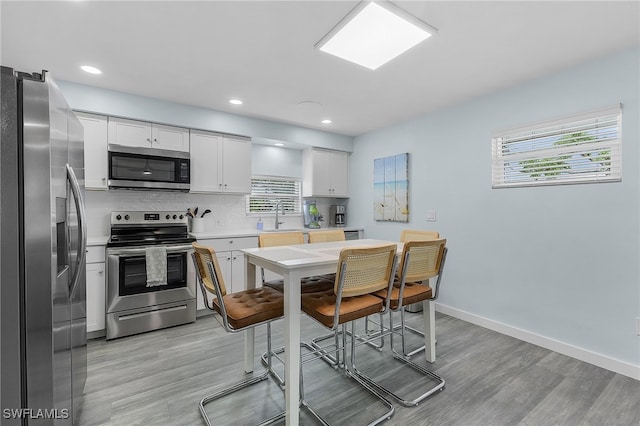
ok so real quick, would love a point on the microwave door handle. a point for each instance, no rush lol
(82, 227)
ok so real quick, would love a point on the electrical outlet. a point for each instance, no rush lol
(431, 215)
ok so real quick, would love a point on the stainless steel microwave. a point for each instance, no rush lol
(148, 168)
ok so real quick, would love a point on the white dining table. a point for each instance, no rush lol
(293, 263)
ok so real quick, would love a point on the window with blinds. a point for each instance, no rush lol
(267, 191)
(579, 149)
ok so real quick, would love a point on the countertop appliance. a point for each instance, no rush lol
(338, 215)
(142, 243)
(148, 168)
(43, 231)
(312, 216)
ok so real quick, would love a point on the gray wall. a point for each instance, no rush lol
(561, 262)
(110, 102)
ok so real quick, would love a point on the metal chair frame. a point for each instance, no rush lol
(319, 352)
(268, 372)
(391, 331)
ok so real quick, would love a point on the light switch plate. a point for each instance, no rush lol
(431, 215)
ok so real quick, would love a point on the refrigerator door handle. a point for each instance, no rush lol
(79, 202)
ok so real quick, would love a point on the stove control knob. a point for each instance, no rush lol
(175, 216)
(168, 217)
(126, 217)
(181, 216)
(118, 217)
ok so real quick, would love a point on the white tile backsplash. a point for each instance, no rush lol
(227, 210)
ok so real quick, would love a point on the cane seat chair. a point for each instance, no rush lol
(239, 311)
(361, 273)
(420, 261)
(307, 284)
(405, 235)
(414, 294)
(326, 236)
(418, 235)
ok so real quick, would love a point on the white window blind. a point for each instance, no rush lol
(578, 149)
(266, 191)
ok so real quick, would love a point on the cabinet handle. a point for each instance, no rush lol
(104, 178)
(101, 271)
(155, 140)
(235, 258)
(230, 241)
(149, 140)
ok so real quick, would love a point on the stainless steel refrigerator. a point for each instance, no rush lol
(43, 242)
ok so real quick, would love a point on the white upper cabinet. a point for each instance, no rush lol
(169, 137)
(96, 163)
(204, 162)
(220, 163)
(236, 165)
(147, 135)
(326, 173)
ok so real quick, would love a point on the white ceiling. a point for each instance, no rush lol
(205, 52)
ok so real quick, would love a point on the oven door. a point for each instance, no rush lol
(127, 278)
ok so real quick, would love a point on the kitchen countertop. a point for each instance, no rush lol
(102, 240)
(255, 232)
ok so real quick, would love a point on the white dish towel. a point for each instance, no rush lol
(156, 259)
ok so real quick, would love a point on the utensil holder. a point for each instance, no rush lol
(197, 224)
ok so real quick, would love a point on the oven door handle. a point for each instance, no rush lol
(140, 251)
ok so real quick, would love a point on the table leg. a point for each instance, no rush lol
(249, 335)
(292, 346)
(429, 317)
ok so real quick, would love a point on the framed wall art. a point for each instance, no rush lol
(391, 188)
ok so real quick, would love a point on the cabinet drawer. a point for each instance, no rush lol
(95, 254)
(226, 244)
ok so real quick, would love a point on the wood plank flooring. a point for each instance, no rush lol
(158, 378)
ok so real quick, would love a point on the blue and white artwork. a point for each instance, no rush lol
(391, 188)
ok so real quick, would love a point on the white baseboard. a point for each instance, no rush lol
(581, 354)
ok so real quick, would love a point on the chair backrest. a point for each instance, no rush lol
(365, 270)
(271, 239)
(422, 259)
(204, 255)
(326, 236)
(418, 235)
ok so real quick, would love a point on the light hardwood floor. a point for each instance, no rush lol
(158, 378)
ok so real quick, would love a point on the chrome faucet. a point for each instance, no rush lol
(279, 205)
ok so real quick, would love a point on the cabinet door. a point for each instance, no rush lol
(129, 132)
(95, 150)
(169, 137)
(224, 260)
(236, 165)
(95, 297)
(204, 162)
(237, 271)
(322, 173)
(339, 174)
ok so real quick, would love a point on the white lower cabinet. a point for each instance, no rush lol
(95, 289)
(231, 261)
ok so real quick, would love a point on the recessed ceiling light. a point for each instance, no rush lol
(326, 121)
(90, 69)
(279, 144)
(235, 101)
(372, 34)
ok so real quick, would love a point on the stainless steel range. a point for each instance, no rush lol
(150, 276)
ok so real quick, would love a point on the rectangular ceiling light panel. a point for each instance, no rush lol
(374, 33)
